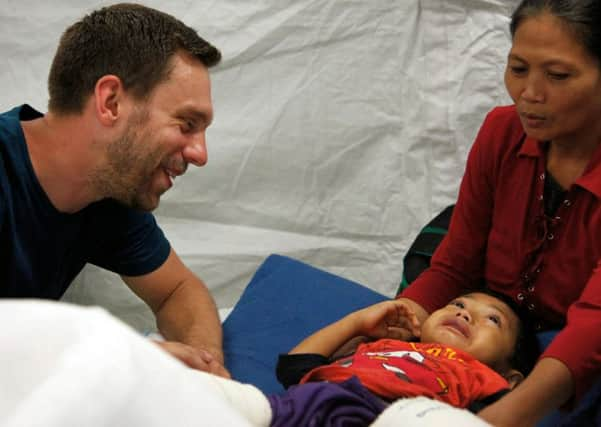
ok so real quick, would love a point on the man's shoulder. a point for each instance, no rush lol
(113, 208)
(114, 220)
(14, 161)
(8, 133)
(22, 112)
(11, 133)
(9, 121)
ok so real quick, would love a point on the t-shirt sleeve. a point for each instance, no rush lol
(292, 367)
(3, 182)
(126, 241)
(478, 405)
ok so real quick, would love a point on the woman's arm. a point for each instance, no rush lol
(383, 320)
(548, 386)
(457, 264)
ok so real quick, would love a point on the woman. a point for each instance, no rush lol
(528, 216)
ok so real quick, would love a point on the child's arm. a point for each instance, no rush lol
(349, 347)
(382, 320)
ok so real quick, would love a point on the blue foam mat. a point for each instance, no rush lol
(285, 301)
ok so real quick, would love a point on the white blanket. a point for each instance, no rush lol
(63, 366)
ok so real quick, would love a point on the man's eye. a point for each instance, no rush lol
(188, 126)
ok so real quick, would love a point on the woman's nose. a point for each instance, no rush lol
(533, 90)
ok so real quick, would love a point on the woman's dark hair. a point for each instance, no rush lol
(133, 42)
(581, 17)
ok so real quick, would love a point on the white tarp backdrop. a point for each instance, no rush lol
(341, 127)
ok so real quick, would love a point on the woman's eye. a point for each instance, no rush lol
(558, 76)
(517, 69)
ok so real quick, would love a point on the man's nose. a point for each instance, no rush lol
(195, 152)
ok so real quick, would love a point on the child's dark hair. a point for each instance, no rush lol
(527, 350)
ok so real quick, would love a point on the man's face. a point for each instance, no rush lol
(478, 324)
(163, 135)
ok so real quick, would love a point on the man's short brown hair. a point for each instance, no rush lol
(130, 41)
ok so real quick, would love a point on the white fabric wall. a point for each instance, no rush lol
(341, 127)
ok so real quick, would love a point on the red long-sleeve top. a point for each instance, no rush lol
(499, 234)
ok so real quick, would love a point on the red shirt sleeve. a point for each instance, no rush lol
(458, 263)
(578, 344)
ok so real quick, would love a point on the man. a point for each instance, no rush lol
(129, 105)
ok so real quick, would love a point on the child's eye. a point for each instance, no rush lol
(495, 319)
(459, 304)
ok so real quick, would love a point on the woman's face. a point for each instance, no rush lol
(554, 82)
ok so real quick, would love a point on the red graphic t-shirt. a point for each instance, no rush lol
(393, 369)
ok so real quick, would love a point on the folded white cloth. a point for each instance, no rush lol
(425, 412)
(246, 399)
(64, 365)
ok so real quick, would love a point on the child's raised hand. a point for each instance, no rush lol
(388, 319)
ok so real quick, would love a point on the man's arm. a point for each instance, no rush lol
(186, 313)
(547, 387)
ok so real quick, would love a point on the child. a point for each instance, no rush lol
(470, 353)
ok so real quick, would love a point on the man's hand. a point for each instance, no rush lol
(186, 314)
(195, 358)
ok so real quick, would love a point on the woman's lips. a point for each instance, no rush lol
(533, 120)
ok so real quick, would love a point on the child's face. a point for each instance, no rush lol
(478, 324)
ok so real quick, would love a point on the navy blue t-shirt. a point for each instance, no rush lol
(42, 249)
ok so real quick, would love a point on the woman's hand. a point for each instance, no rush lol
(549, 385)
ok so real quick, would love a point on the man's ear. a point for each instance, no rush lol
(513, 377)
(108, 95)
